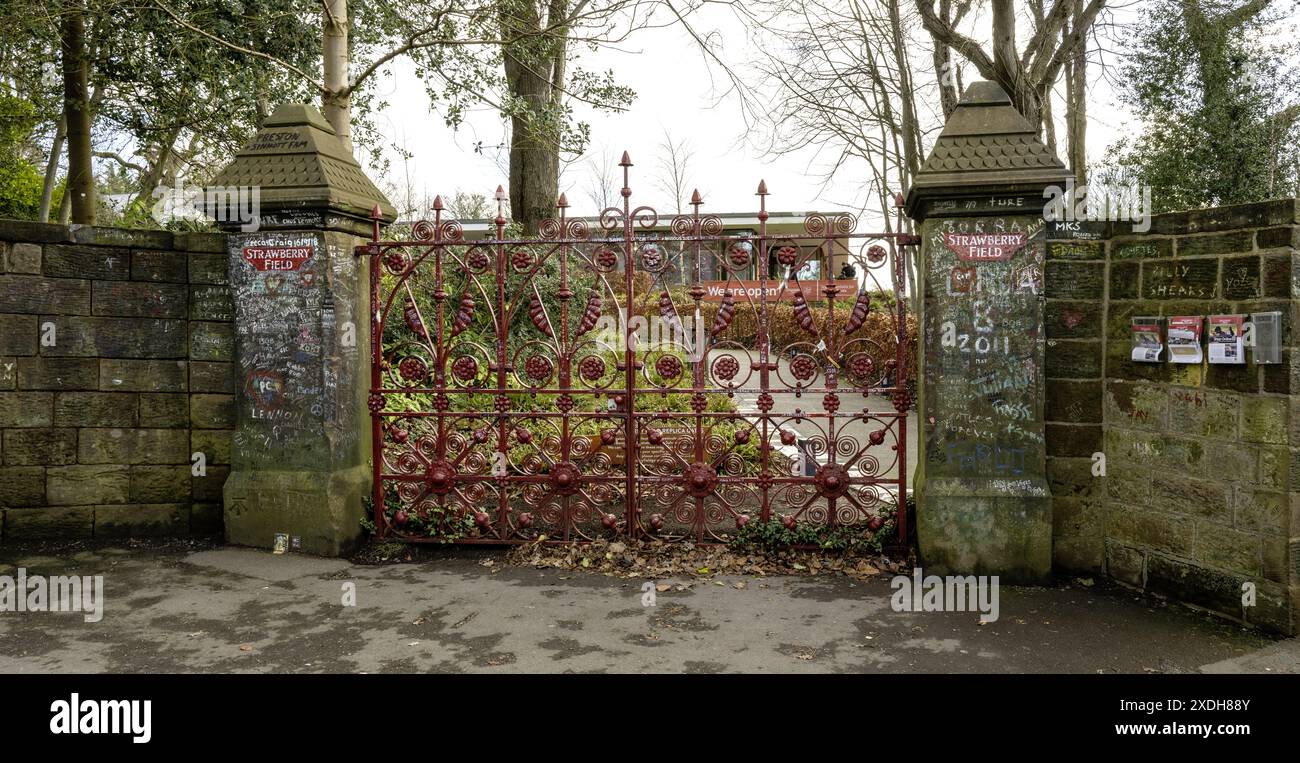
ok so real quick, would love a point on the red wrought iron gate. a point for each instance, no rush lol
(616, 376)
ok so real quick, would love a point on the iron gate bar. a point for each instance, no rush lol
(444, 474)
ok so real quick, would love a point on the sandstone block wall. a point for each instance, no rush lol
(1200, 494)
(115, 370)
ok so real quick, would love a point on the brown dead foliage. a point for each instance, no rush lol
(656, 559)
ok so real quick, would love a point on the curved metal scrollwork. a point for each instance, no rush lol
(513, 398)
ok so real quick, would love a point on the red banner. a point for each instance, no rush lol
(984, 247)
(715, 291)
(277, 257)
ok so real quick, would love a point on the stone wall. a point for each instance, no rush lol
(1199, 460)
(115, 373)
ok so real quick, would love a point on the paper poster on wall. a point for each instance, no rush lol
(1185, 339)
(1226, 339)
(1147, 343)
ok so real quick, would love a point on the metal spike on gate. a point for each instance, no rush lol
(762, 188)
(437, 204)
(562, 202)
(626, 161)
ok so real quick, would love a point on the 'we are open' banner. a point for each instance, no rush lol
(716, 291)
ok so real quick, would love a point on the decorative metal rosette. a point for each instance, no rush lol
(566, 478)
(376, 402)
(876, 254)
(396, 261)
(605, 259)
(787, 254)
(699, 402)
(902, 401)
(464, 368)
(669, 366)
(591, 368)
(652, 256)
(413, 369)
(765, 402)
(726, 367)
(803, 367)
(701, 479)
(831, 402)
(440, 477)
(538, 367)
(740, 254)
(502, 404)
(477, 260)
(521, 259)
(564, 403)
(832, 480)
(441, 402)
(861, 366)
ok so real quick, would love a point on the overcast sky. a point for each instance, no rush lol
(674, 93)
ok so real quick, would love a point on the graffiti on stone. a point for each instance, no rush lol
(984, 321)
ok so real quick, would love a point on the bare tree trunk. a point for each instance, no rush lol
(1049, 118)
(911, 130)
(1077, 104)
(65, 207)
(534, 158)
(52, 169)
(534, 151)
(943, 65)
(337, 101)
(1006, 60)
(158, 168)
(1045, 96)
(76, 112)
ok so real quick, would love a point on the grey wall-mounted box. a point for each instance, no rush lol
(1268, 337)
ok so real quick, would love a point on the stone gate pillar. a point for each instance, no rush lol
(301, 449)
(983, 505)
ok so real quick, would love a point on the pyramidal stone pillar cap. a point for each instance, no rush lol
(304, 176)
(986, 148)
